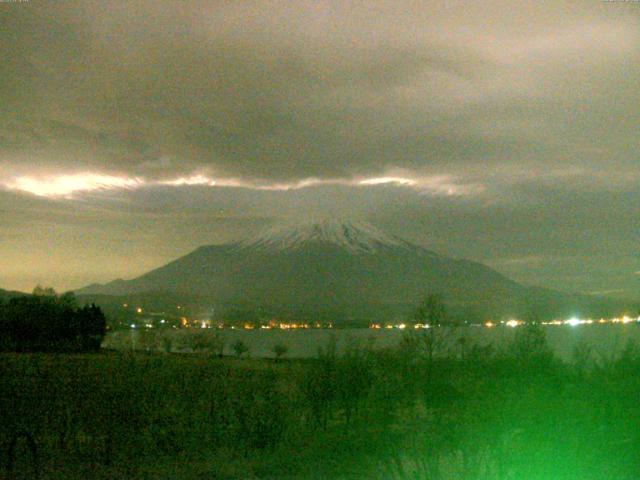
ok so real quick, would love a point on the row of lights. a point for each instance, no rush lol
(399, 326)
(573, 322)
(251, 326)
(516, 323)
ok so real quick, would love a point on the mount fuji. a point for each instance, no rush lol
(337, 269)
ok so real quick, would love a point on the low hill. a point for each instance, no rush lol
(7, 294)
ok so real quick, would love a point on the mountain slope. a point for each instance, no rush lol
(351, 268)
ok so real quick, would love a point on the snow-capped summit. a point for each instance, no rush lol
(355, 237)
(334, 270)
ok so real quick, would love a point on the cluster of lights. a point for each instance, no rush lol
(625, 319)
(293, 326)
(399, 326)
(290, 326)
(573, 321)
(512, 323)
(251, 326)
(276, 325)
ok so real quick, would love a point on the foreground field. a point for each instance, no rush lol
(398, 413)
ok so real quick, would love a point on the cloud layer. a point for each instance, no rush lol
(282, 92)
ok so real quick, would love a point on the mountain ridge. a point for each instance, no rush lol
(349, 268)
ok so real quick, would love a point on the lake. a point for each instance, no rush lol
(605, 341)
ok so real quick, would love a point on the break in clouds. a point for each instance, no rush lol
(499, 131)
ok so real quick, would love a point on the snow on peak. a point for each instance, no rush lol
(355, 237)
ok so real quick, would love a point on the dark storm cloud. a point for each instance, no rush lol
(282, 91)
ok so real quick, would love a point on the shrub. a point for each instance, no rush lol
(240, 348)
(279, 350)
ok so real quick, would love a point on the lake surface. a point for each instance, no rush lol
(604, 341)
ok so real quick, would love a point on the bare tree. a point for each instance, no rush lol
(432, 313)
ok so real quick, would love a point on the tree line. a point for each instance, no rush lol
(45, 321)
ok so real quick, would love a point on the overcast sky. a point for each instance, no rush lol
(505, 132)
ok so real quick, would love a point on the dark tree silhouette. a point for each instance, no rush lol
(240, 348)
(46, 322)
(279, 350)
(431, 311)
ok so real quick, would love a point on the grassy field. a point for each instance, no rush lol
(398, 414)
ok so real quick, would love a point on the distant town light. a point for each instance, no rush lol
(512, 323)
(573, 322)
